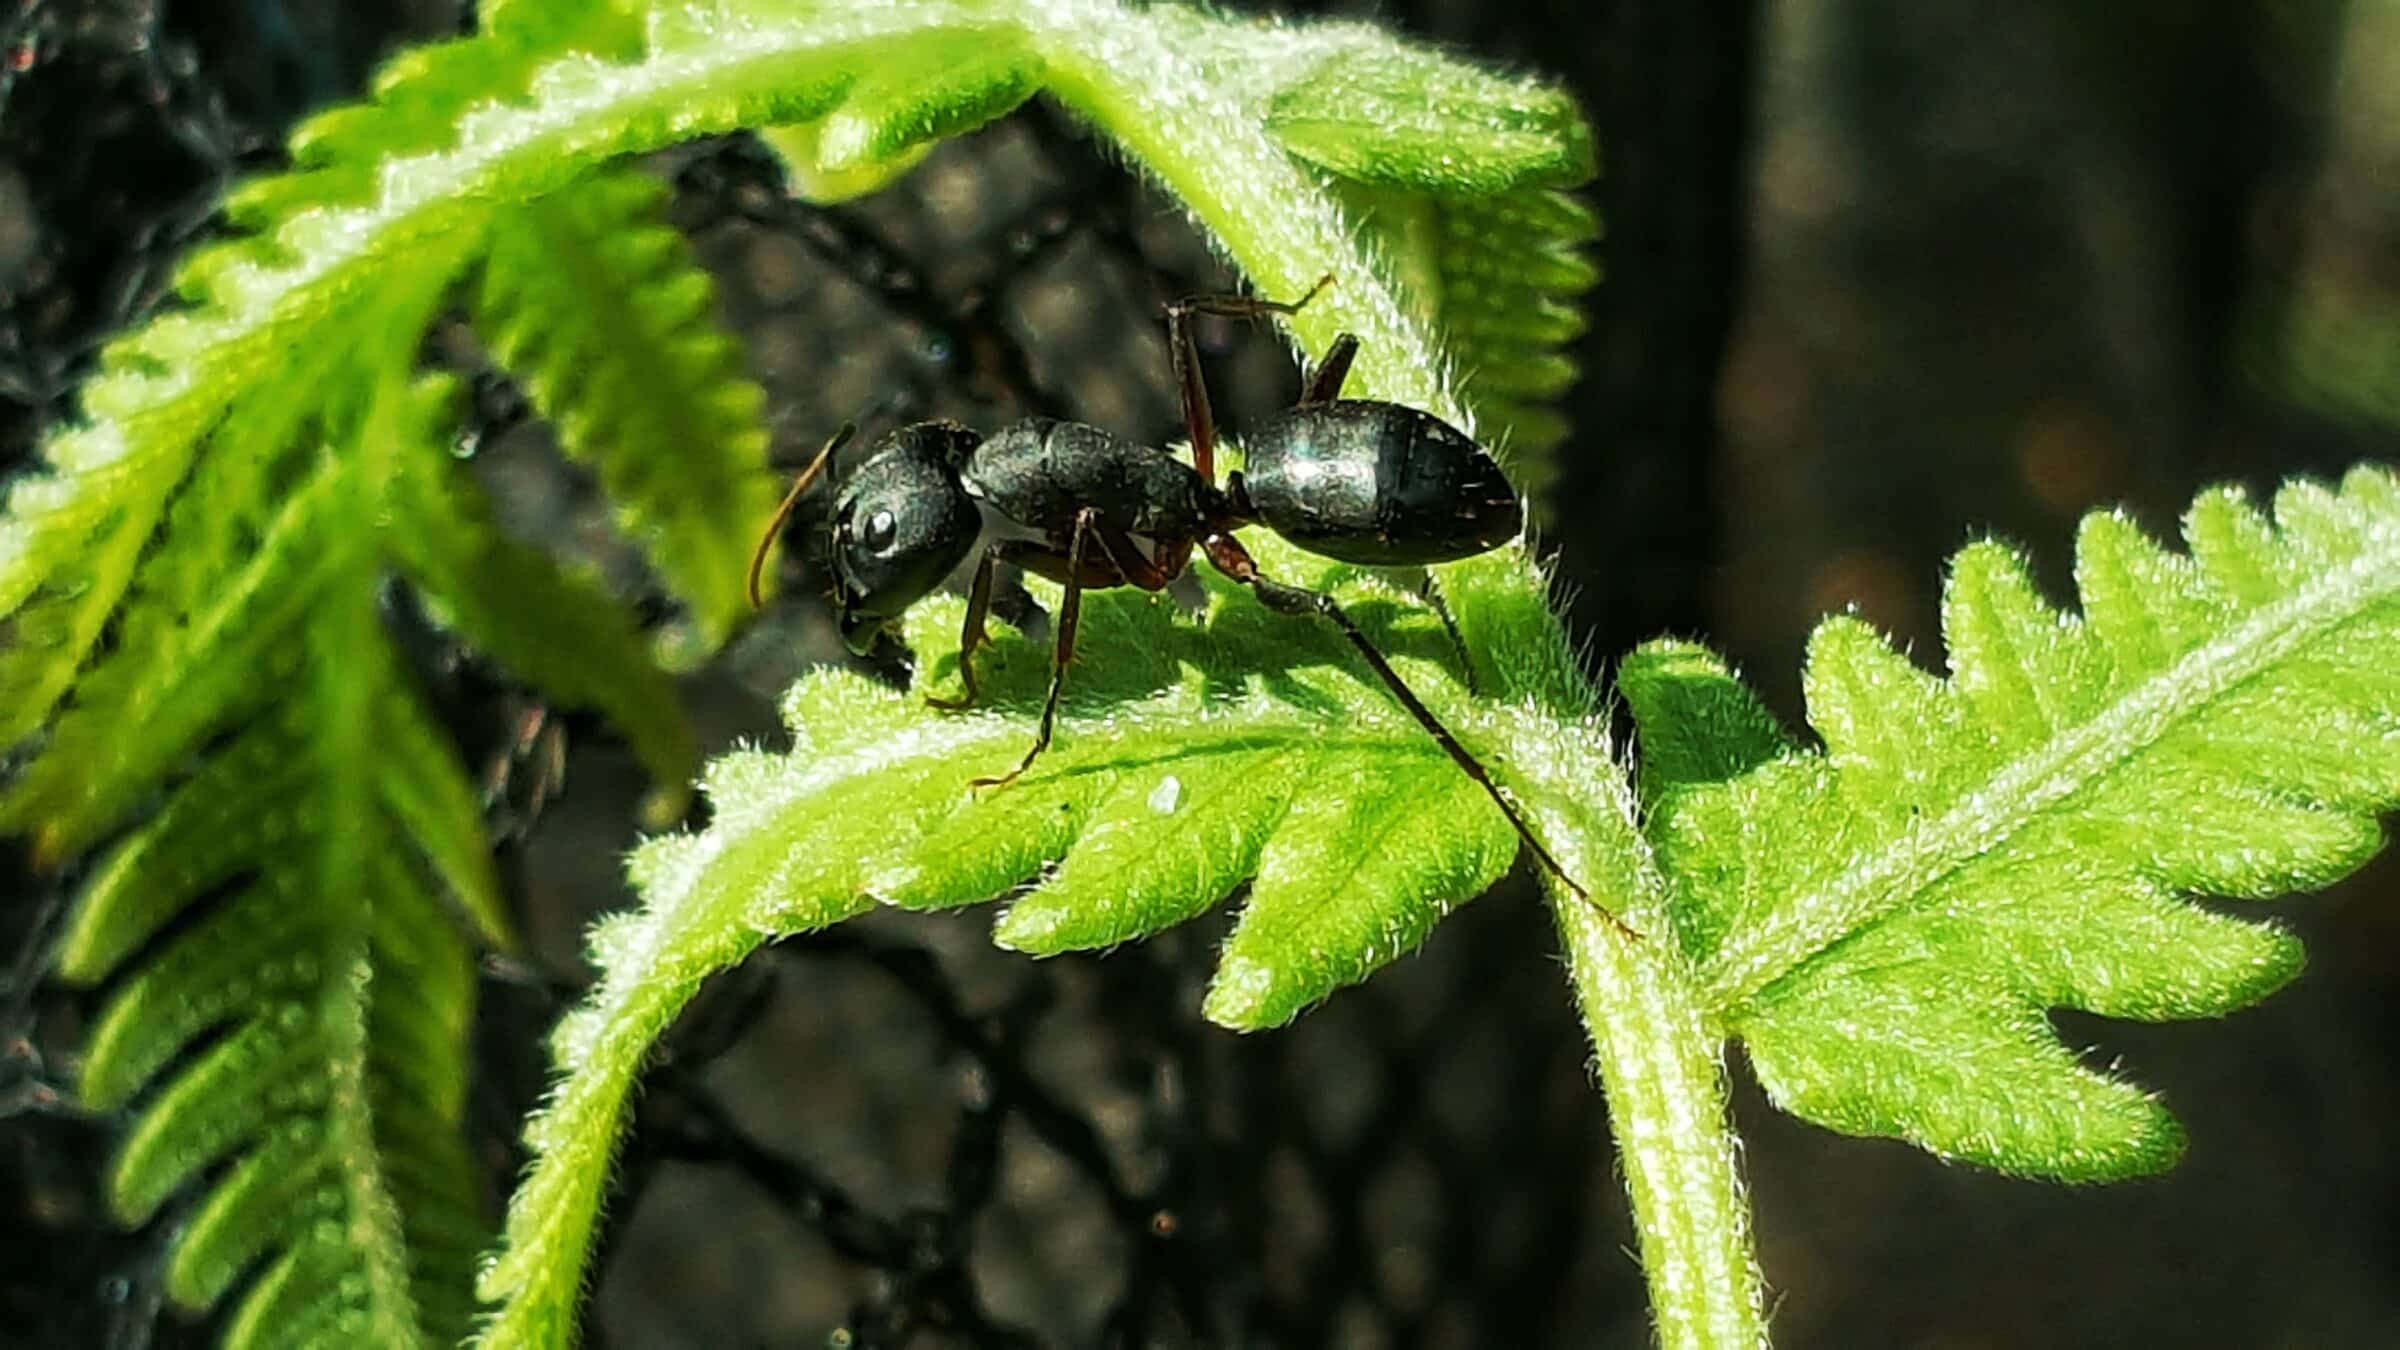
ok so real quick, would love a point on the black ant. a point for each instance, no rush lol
(1357, 480)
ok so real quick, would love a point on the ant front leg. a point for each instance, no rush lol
(1231, 558)
(1062, 650)
(972, 635)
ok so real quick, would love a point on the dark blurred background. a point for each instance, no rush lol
(1880, 278)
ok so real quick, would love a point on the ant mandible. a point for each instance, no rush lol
(1357, 480)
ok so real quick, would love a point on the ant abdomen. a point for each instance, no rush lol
(1376, 483)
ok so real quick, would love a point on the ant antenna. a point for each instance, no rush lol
(800, 486)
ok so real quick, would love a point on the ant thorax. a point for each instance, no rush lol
(1040, 474)
(998, 525)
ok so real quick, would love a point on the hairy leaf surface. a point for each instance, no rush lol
(1199, 752)
(196, 668)
(305, 1025)
(1456, 176)
(195, 665)
(1884, 923)
(922, 91)
(290, 976)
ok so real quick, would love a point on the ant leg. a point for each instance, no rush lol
(1199, 421)
(791, 499)
(1149, 574)
(1234, 560)
(972, 635)
(1170, 557)
(1458, 640)
(1062, 650)
(1326, 384)
(1248, 306)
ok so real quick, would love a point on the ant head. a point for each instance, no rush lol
(902, 523)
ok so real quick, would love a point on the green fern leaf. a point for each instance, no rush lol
(1197, 753)
(1883, 924)
(304, 1028)
(288, 993)
(1219, 775)
(403, 188)
(608, 26)
(1507, 271)
(1196, 757)
(336, 988)
(1456, 176)
(221, 591)
(241, 371)
(926, 89)
(600, 309)
(1699, 723)
(597, 305)
(1369, 107)
(1258, 730)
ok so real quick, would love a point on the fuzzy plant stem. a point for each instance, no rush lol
(1662, 1068)
(1666, 1102)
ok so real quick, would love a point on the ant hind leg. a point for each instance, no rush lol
(1234, 561)
(1458, 640)
(1199, 421)
(1247, 306)
(1326, 384)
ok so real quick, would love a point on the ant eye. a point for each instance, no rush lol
(880, 528)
